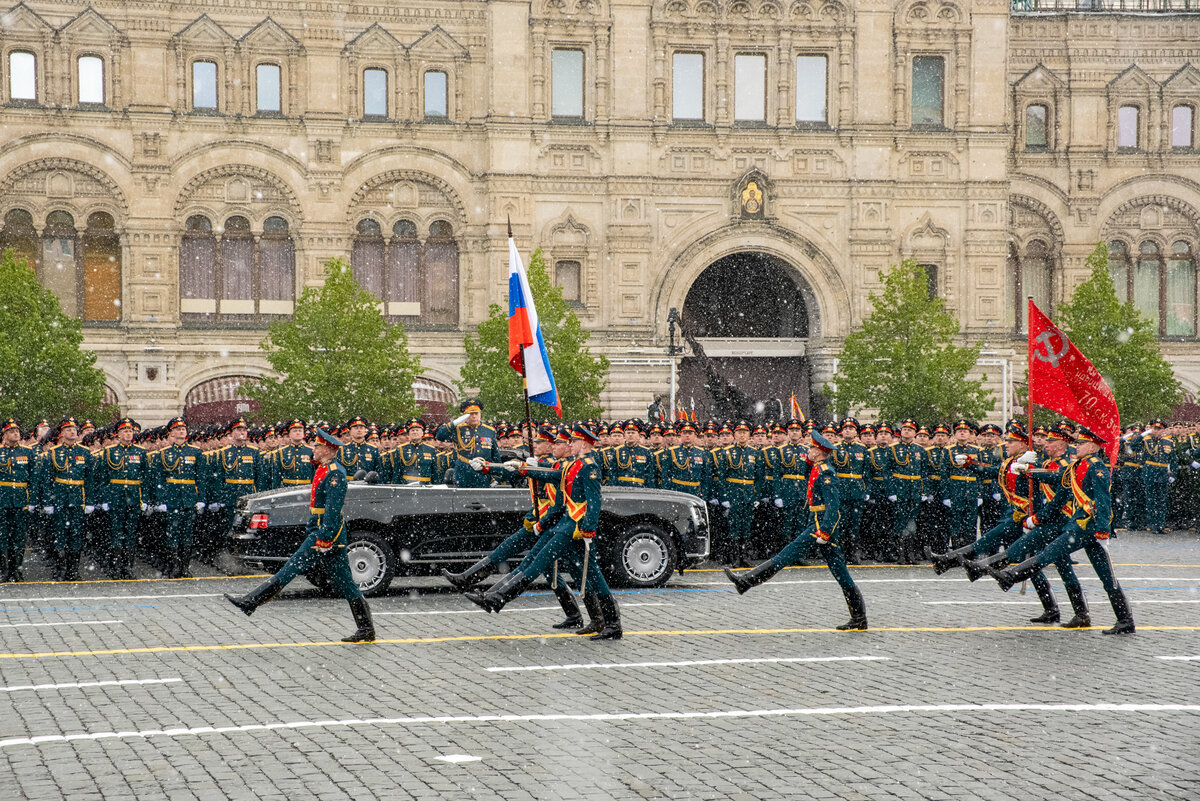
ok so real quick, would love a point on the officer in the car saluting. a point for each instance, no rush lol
(470, 437)
(325, 544)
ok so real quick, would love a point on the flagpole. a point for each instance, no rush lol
(527, 428)
(1029, 393)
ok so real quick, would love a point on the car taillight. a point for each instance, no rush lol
(258, 522)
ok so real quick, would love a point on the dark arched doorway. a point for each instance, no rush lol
(746, 318)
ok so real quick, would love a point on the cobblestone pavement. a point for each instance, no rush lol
(161, 690)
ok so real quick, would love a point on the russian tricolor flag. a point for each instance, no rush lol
(525, 335)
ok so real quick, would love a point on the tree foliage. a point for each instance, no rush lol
(579, 376)
(1120, 342)
(337, 357)
(44, 371)
(904, 362)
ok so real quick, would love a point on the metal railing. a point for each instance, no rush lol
(1106, 6)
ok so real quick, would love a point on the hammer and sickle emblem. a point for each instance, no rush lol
(1051, 355)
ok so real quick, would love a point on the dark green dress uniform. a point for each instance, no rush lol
(633, 467)
(877, 519)
(849, 461)
(18, 497)
(685, 469)
(992, 510)
(1158, 469)
(355, 456)
(962, 490)
(180, 488)
(908, 466)
(469, 442)
(414, 461)
(1131, 502)
(238, 471)
(741, 473)
(65, 473)
(120, 478)
(933, 521)
(791, 487)
(293, 466)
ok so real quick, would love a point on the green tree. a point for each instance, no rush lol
(337, 357)
(1120, 342)
(904, 362)
(579, 376)
(44, 371)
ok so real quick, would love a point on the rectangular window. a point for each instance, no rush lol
(750, 88)
(567, 84)
(1127, 127)
(1181, 298)
(810, 89)
(204, 85)
(1035, 128)
(375, 93)
(435, 94)
(567, 275)
(22, 76)
(928, 79)
(1181, 127)
(91, 79)
(267, 78)
(687, 86)
(931, 277)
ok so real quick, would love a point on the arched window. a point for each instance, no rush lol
(277, 262)
(367, 256)
(441, 276)
(18, 234)
(237, 268)
(1037, 137)
(404, 271)
(1147, 272)
(417, 281)
(60, 273)
(1118, 268)
(1180, 291)
(91, 80)
(198, 269)
(22, 76)
(101, 269)
(231, 276)
(1128, 128)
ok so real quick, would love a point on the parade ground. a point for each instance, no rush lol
(156, 689)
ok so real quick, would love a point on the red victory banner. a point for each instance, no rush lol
(1061, 378)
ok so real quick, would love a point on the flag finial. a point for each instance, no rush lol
(510, 236)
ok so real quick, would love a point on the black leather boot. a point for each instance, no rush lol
(612, 619)
(181, 565)
(471, 576)
(256, 597)
(1120, 605)
(73, 559)
(1082, 619)
(943, 562)
(979, 568)
(362, 619)
(5, 570)
(858, 611)
(742, 558)
(570, 607)
(595, 612)
(1009, 576)
(744, 581)
(1050, 612)
(501, 592)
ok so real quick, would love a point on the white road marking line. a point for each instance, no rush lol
(773, 583)
(508, 609)
(61, 623)
(691, 663)
(1181, 658)
(39, 599)
(87, 684)
(1140, 601)
(456, 758)
(602, 717)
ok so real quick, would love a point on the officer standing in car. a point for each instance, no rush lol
(470, 437)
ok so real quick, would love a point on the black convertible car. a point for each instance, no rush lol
(415, 530)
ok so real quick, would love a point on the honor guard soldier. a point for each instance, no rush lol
(962, 487)
(180, 488)
(819, 538)
(416, 460)
(908, 466)
(120, 478)
(293, 463)
(849, 463)
(65, 470)
(325, 544)
(791, 483)
(685, 466)
(18, 497)
(933, 522)
(1158, 470)
(633, 461)
(469, 437)
(876, 527)
(239, 471)
(990, 453)
(1131, 504)
(358, 454)
(741, 474)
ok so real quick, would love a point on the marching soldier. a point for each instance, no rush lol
(180, 489)
(358, 454)
(119, 478)
(741, 475)
(65, 470)
(293, 462)
(849, 463)
(18, 498)
(908, 467)
(1158, 470)
(470, 437)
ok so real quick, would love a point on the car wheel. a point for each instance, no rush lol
(643, 556)
(372, 562)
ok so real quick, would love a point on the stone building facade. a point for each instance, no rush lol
(179, 173)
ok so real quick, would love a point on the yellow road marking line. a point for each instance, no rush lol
(869, 567)
(143, 580)
(158, 649)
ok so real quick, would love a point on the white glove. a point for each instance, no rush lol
(48, 510)
(978, 502)
(87, 510)
(104, 507)
(995, 496)
(1028, 457)
(458, 421)
(713, 501)
(946, 503)
(532, 461)
(960, 459)
(755, 504)
(537, 528)
(1028, 524)
(779, 502)
(866, 497)
(924, 498)
(513, 464)
(216, 506)
(476, 464)
(1170, 479)
(143, 507)
(1017, 468)
(891, 497)
(30, 508)
(725, 504)
(162, 507)
(1196, 465)
(200, 506)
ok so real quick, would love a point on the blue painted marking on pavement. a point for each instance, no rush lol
(72, 608)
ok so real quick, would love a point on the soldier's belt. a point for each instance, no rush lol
(1158, 464)
(795, 476)
(820, 508)
(239, 481)
(685, 483)
(130, 482)
(181, 481)
(739, 480)
(316, 510)
(464, 458)
(963, 478)
(849, 475)
(70, 481)
(296, 481)
(1131, 464)
(905, 475)
(415, 478)
(634, 479)
(14, 484)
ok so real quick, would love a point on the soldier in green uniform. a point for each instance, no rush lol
(990, 453)
(358, 454)
(1131, 502)
(119, 479)
(238, 471)
(685, 466)
(819, 538)
(791, 483)
(18, 498)
(849, 461)
(416, 460)
(877, 519)
(181, 484)
(933, 521)
(633, 462)
(293, 462)
(325, 544)
(908, 467)
(470, 437)
(961, 487)
(1158, 471)
(65, 469)
(741, 475)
